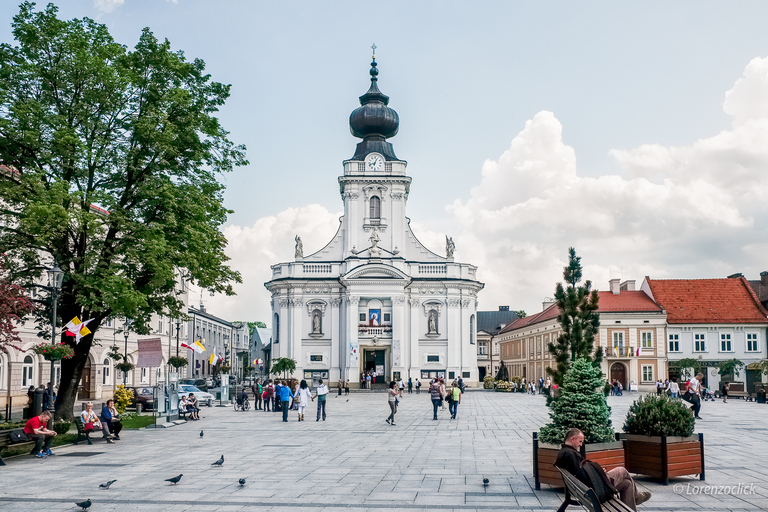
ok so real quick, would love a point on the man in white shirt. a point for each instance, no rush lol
(321, 393)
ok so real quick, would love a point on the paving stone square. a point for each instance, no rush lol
(356, 462)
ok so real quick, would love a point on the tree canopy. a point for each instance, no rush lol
(112, 157)
(578, 318)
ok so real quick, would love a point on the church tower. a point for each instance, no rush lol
(374, 299)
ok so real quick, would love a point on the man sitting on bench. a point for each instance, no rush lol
(569, 458)
(38, 432)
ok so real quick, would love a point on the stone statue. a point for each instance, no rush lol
(316, 322)
(449, 247)
(299, 247)
(375, 251)
(432, 323)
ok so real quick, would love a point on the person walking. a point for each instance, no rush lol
(401, 387)
(392, 393)
(418, 387)
(456, 399)
(410, 386)
(285, 400)
(693, 393)
(443, 393)
(437, 398)
(674, 389)
(276, 404)
(726, 388)
(303, 394)
(257, 390)
(322, 393)
(346, 387)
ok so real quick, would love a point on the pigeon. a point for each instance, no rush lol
(219, 462)
(201, 433)
(347, 399)
(486, 482)
(106, 485)
(84, 504)
(174, 480)
(242, 482)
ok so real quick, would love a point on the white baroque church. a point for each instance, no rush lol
(374, 299)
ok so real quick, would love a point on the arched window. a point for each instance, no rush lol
(375, 207)
(106, 379)
(472, 329)
(26, 372)
(276, 327)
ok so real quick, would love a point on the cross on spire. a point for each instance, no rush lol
(373, 47)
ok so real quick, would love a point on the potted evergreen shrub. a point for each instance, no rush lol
(581, 405)
(659, 440)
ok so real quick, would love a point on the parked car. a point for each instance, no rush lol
(143, 398)
(208, 382)
(202, 396)
(200, 384)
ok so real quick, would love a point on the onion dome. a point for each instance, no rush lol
(374, 121)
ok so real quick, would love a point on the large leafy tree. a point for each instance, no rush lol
(578, 318)
(114, 155)
(14, 306)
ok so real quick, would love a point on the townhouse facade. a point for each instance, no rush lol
(489, 324)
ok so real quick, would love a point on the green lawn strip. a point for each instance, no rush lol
(136, 421)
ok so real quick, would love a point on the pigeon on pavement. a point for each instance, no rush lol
(219, 462)
(347, 399)
(486, 482)
(201, 433)
(242, 481)
(107, 484)
(174, 480)
(84, 504)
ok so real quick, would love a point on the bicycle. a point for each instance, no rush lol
(242, 407)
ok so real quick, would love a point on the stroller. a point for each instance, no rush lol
(707, 394)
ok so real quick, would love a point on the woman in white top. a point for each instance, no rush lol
(88, 416)
(674, 389)
(304, 395)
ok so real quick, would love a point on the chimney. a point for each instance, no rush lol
(503, 308)
(628, 285)
(613, 284)
(546, 304)
(764, 278)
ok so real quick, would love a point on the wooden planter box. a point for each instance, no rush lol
(608, 455)
(664, 457)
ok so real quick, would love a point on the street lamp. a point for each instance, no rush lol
(178, 327)
(126, 324)
(55, 278)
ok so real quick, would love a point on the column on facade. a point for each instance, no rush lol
(468, 360)
(452, 323)
(401, 359)
(353, 345)
(280, 349)
(334, 328)
(415, 334)
(296, 333)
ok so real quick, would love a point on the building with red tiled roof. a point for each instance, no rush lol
(712, 320)
(631, 333)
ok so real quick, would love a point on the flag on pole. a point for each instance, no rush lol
(258, 361)
(200, 346)
(616, 351)
(213, 358)
(605, 352)
(78, 329)
(194, 348)
(638, 352)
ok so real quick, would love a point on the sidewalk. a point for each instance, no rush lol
(355, 461)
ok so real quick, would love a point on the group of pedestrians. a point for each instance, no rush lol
(278, 396)
(439, 393)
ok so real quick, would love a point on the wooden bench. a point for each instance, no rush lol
(586, 497)
(737, 391)
(5, 440)
(81, 432)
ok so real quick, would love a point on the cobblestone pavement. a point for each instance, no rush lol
(355, 461)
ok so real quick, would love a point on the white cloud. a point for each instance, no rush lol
(107, 5)
(699, 210)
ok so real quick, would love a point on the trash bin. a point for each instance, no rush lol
(760, 396)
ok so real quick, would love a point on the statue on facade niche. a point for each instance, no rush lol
(432, 322)
(449, 247)
(375, 251)
(316, 322)
(299, 247)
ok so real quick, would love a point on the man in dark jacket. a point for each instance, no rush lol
(569, 458)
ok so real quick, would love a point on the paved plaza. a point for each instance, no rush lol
(356, 461)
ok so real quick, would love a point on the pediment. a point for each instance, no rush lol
(375, 272)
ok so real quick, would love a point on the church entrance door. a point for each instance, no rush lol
(375, 360)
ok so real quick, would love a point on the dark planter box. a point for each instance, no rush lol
(664, 457)
(608, 455)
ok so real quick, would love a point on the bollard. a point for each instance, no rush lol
(37, 405)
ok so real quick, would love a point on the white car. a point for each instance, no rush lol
(202, 396)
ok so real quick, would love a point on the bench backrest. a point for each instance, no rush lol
(581, 492)
(736, 387)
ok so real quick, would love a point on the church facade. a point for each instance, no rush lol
(374, 299)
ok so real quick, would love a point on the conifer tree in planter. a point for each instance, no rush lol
(581, 405)
(658, 439)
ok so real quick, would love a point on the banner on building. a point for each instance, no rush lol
(150, 353)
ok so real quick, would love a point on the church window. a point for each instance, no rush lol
(26, 372)
(472, 329)
(433, 359)
(276, 334)
(375, 207)
(387, 317)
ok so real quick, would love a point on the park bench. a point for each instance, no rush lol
(5, 440)
(737, 390)
(586, 497)
(81, 432)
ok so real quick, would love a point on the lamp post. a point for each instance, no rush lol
(178, 328)
(125, 354)
(55, 278)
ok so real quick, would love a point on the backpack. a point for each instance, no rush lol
(18, 436)
(593, 475)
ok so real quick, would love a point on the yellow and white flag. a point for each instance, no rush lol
(213, 358)
(77, 329)
(199, 346)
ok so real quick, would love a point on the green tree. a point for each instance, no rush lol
(687, 367)
(578, 319)
(113, 158)
(521, 313)
(284, 365)
(581, 405)
(729, 368)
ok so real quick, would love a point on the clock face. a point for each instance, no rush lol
(374, 162)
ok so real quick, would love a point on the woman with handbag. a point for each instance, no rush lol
(90, 420)
(392, 393)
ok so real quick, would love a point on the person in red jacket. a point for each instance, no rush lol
(36, 430)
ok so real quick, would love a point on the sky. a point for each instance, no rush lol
(636, 132)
